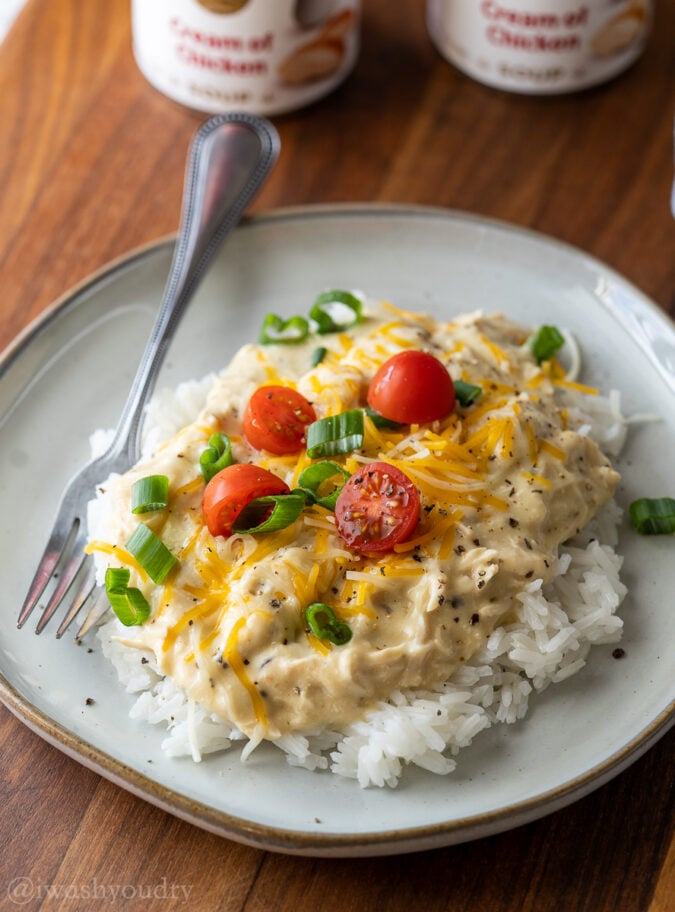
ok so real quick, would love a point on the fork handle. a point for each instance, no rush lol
(230, 157)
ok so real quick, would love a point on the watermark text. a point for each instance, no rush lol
(22, 890)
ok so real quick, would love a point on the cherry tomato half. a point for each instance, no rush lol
(276, 420)
(412, 387)
(231, 489)
(377, 508)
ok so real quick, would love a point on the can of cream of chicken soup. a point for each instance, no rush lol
(260, 56)
(540, 46)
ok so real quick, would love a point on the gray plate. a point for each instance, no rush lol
(69, 374)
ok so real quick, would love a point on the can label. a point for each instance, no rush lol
(259, 56)
(540, 46)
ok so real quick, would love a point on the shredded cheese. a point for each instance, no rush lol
(233, 658)
(121, 554)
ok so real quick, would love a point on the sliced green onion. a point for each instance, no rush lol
(545, 342)
(270, 513)
(336, 310)
(314, 476)
(128, 603)
(335, 435)
(149, 494)
(466, 393)
(380, 421)
(151, 553)
(323, 623)
(288, 332)
(318, 356)
(653, 516)
(217, 456)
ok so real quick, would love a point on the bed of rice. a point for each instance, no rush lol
(555, 628)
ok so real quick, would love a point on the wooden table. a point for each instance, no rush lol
(91, 164)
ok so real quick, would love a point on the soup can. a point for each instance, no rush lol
(260, 56)
(540, 46)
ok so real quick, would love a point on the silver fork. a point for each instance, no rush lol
(230, 157)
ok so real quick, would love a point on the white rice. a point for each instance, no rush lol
(549, 641)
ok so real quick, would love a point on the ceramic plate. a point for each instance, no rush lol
(69, 374)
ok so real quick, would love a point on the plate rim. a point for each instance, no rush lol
(275, 838)
(297, 842)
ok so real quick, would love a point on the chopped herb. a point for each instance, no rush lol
(466, 393)
(545, 342)
(318, 355)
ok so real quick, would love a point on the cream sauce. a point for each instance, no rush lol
(503, 483)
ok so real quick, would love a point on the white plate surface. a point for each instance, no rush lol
(69, 374)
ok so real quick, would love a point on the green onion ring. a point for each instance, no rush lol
(314, 476)
(335, 435)
(380, 421)
(150, 494)
(466, 393)
(127, 602)
(285, 509)
(151, 553)
(325, 316)
(653, 516)
(276, 330)
(323, 623)
(217, 456)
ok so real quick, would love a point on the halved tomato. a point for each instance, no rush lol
(232, 489)
(412, 387)
(377, 508)
(276, 420)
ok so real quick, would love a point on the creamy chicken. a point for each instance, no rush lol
(503, 482)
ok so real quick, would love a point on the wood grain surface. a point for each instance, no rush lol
(91, 165)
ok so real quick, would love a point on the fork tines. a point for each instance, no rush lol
(72, 572)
